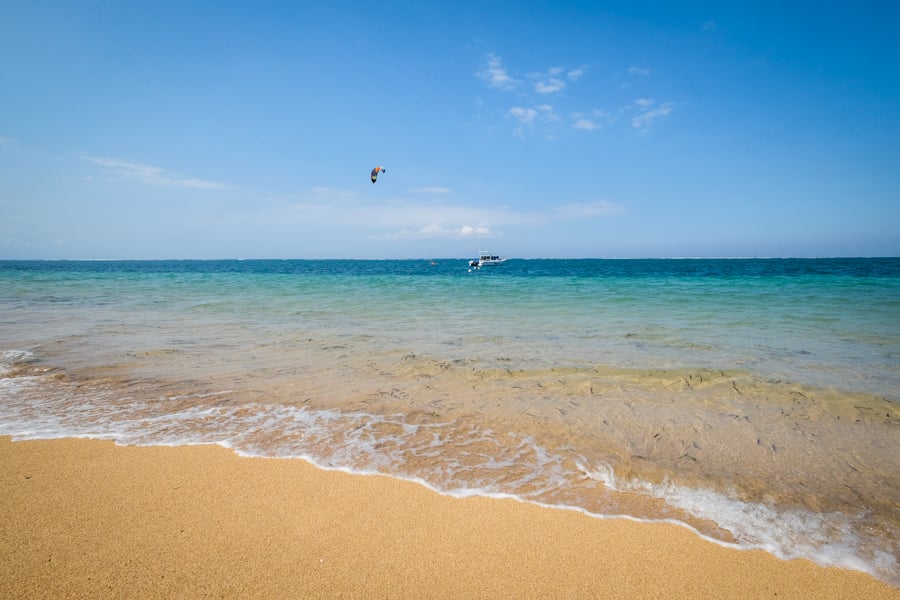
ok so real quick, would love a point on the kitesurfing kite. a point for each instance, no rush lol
(375, 172)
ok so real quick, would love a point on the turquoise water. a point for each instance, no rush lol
(752, 400)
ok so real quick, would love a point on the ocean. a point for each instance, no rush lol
(752, 400)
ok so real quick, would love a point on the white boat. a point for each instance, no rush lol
(486, 259)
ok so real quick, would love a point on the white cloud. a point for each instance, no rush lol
(585, 124)
(151, 175)
(528, 117)
(554, 79)
(539, 118)
(647, 118)
(430, 190)
(597, 208)
(438, 231)
(432, 229)
(549, 86)
(591, 120)
(534, 119)
(469, 231)
(403, 218)
(575, 74)
(549, 82)
(329, 193)
(14, 145)
(547, 112)
(495, 75)
(199, 184)
(525, 116)
(347, 209)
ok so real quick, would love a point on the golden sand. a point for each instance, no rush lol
(88, 519)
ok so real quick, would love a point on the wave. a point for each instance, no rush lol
(459, 458)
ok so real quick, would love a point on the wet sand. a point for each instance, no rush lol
(90, 519)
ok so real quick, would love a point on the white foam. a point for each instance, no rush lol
(10, 358)
(481, 463)
(828, 539)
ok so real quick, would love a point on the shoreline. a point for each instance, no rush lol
(87, 518)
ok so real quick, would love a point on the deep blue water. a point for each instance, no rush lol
(729, 268)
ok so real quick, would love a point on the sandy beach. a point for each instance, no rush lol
(91, 519)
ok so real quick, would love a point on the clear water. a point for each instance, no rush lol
(752, 400)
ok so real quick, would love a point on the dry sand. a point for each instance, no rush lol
(88, 519)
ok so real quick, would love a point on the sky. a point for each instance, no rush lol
(158, 130)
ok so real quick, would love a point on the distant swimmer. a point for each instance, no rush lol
(376, 171)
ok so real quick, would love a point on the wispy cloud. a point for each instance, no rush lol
(405, 218)
(438, 231)
(549, 82)
(543, 119)
(649, 114)
(551, 85)
(495, 75)
(151, 175)
(430, 190)
(14, 145)
(585, 124)
(525, 116)
(575, 74)
(329, 194)
(591, 120)
(554, 80)
(469, 231)
(597, 208)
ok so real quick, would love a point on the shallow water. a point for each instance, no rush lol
(754, 400)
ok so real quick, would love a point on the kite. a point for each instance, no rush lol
(375, 172)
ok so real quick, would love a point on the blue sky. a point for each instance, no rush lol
(530, 129)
